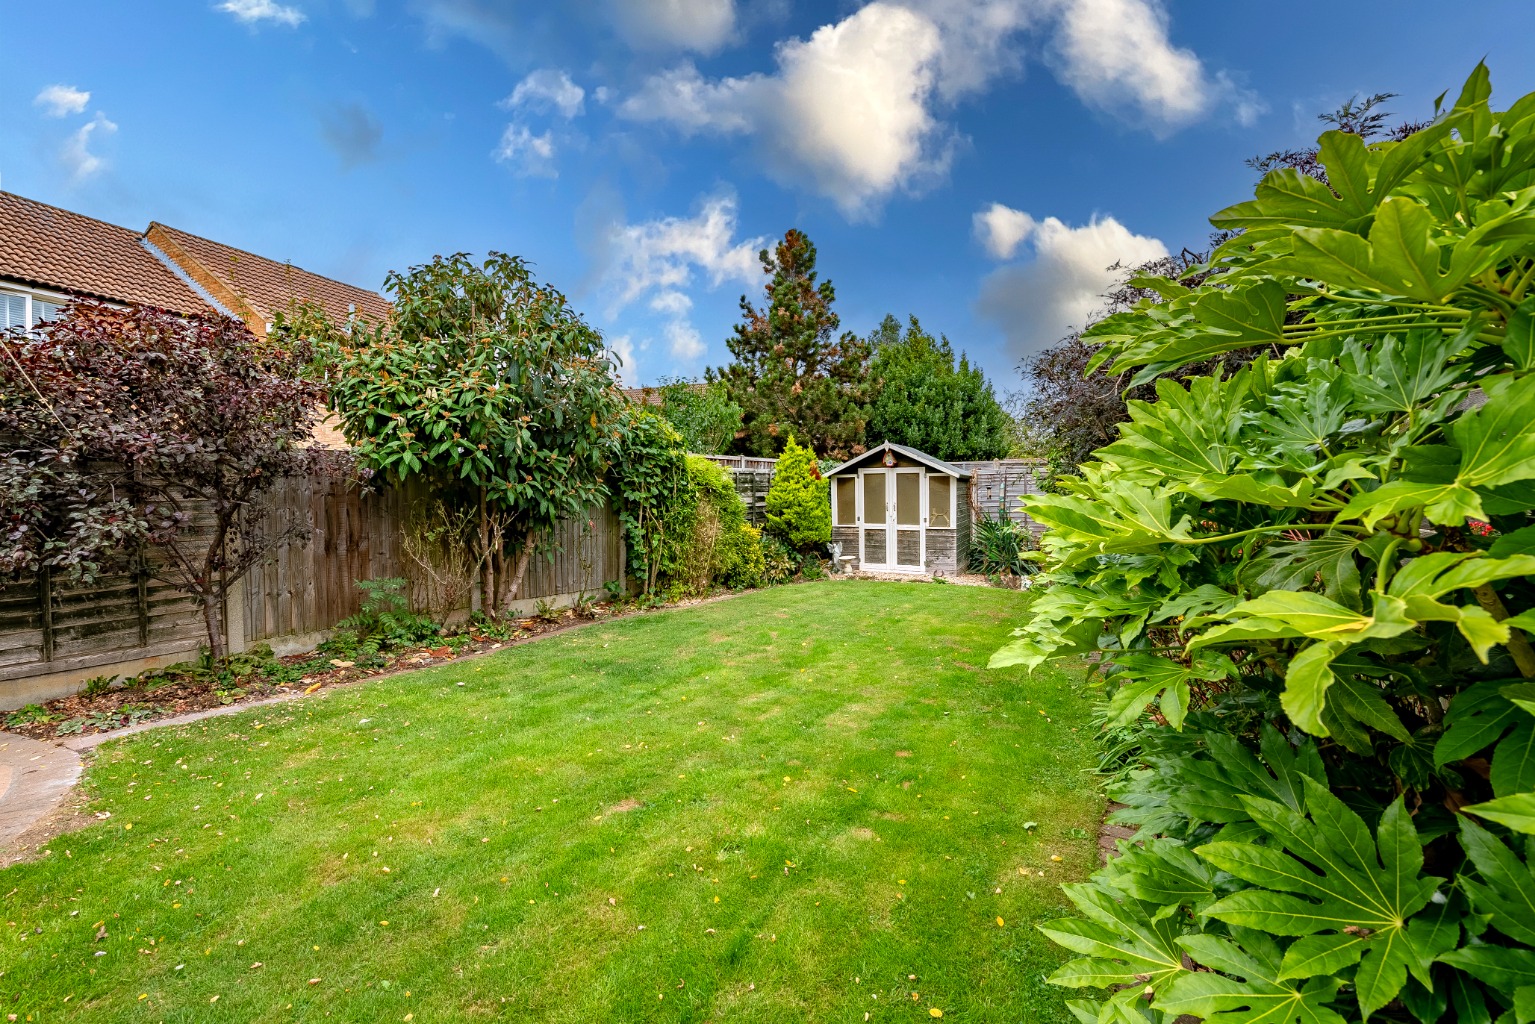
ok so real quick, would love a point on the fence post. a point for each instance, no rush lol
(45, 595)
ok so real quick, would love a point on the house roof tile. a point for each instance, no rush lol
(264, 286)
(46, 247)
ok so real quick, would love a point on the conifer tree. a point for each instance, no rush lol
(792, 372)
(799, 502)
(927, 402)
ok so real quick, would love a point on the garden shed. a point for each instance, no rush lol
(895, 509)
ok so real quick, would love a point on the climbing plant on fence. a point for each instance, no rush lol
(655, 501)
(1308, 586)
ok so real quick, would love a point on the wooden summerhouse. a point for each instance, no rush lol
(895, 509)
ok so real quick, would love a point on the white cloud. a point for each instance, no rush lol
(531, 156)
(846, 111)
(699, 25)
(856, 110)
(76, 154)
(62, 100)
(254, 11)
(1002, 229)
(662, 255)
(683, 341)
(673, 302)
(1117, 52)
(1038, 302)
(547, 90)
(656, 260)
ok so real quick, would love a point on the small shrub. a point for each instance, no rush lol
(779, 563)
(744, 565)
(385, 620)
(999, 547)
(546, 611)
(32, 714)
(97, 685)
(799, 501)
(715, 544)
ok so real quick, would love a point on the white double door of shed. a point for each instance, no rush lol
(892, 520)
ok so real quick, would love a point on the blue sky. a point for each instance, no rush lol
(977, 164)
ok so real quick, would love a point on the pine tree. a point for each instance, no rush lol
(927, 402)
(791, 372)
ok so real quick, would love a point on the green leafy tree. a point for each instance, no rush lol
(799, 499)
(488, 386)
(792, 372)
(702, 413)
(1308, 583)
(927, 402)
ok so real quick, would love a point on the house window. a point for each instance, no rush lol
(25, 311)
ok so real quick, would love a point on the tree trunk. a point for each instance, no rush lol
(523, 557)
(487, 570)
(213, 619)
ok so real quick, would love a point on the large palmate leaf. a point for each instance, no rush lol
(1505, 889)
(1250, 987)
(1185, 432)
(1141, 677)
(1492, 445)
(1497, 441)
(1216, 787)
(1290, 613)
(1121, 943)
(1167, 874)
(1516, 812)
(1326, 877)
(1399, 372)
(1330, 558)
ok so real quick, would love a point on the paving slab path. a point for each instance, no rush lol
(35, 777)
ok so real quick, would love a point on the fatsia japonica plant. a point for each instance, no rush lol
(1307, 586)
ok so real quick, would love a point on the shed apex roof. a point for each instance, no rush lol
(911, 453)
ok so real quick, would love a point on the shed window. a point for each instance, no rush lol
(847, 501)
(13, 311)
(940, 502)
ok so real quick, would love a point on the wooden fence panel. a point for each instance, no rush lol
(301, 589)
(996, 486)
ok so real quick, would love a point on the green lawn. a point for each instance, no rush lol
(779, 807)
